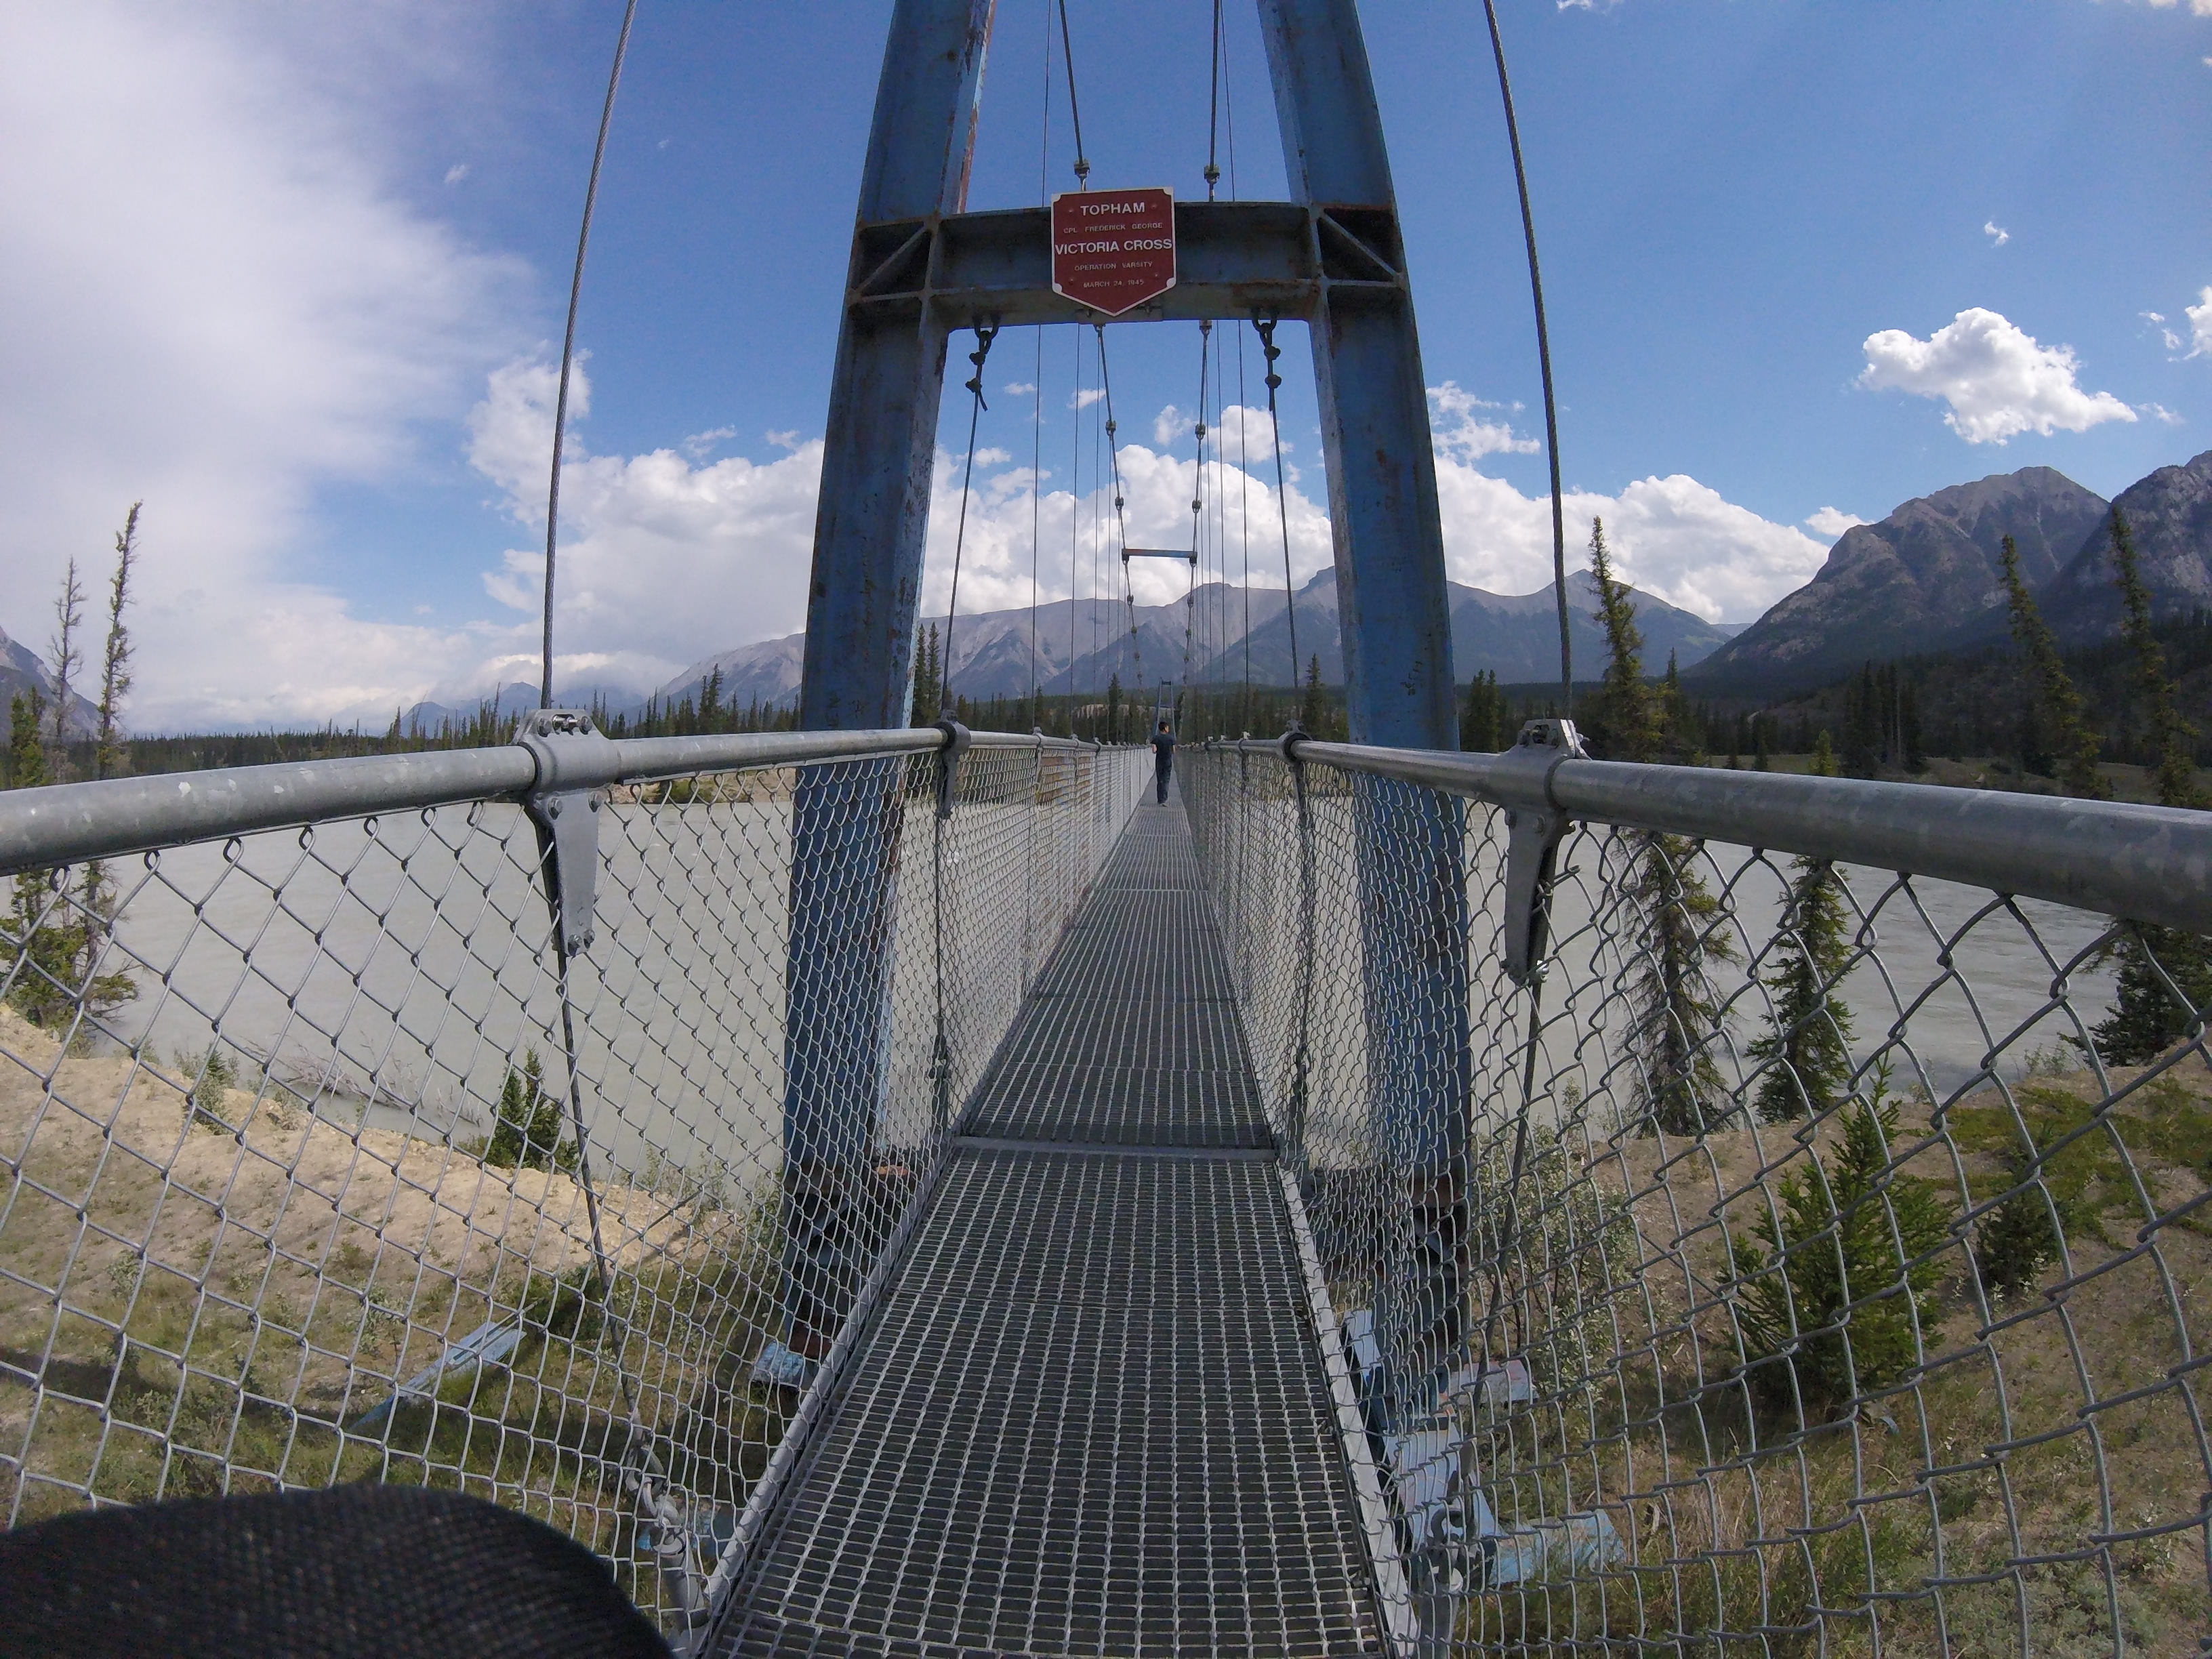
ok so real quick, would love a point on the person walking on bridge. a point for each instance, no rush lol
(1163, 760)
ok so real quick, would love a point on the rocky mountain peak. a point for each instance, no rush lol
(1930, 571)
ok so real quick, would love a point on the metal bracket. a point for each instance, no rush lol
(956, 739)
(564, 744)
(1534, 825)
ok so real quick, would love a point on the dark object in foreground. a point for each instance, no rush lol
(356, 1571)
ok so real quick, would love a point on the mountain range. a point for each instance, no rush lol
(1930, 577)
(1081, 644)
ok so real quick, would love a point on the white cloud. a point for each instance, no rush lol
(456, 173)
(1085, 398)
(700, 443)
(1676, 537)
(1021, 388)
(1997, 234)
(733, 539)
(2166, 334)
(1170, 425)
(211, 298)
(1998, 381)
(1830, 522)
(1461, 433)
(2160, 413)
(2200, 323)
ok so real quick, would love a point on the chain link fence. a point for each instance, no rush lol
(1786, 1255)
(325, 1161)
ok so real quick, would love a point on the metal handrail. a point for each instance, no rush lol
(68, 823)
(2148, 864)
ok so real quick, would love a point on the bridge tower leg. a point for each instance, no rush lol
(1396, 618)
(870, 528)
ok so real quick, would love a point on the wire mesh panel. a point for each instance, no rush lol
(321, 1168)
(1827, 1254)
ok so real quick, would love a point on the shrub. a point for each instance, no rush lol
(2018, 1239)
(526, 1133)
(1846, 1282)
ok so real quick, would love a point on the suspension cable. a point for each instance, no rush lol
(1075, 530)
(1074, 112)
(1213, 107)
(1544, 358)
(1197, 498)
(1244, 515)
(568, 345)
(984, 335)
(1037, 415)
(1120, 522)
(1270, 351)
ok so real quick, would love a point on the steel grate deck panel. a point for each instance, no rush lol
(1088, 1418)
(1136, 1106)
(1088, 1414)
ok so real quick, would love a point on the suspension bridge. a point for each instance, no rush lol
(880, 1190)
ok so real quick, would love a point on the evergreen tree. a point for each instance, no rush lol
(26, 748)
(115, 658)
(526, 1128)
(2073, 746)
(99, 899)
(2017, 1240)
(1482, 717)
(51, 942)
(64, 658)
(1624, 717)
(1113, 707)
(1809, 1028)
(2172, 737)
(928, 680)
(1309, 702)
(2146, 1017)
(1863, 726)
(1856, 1257)
(1759, 760)
(1678, 718)
(1676, 1007)
(1908, 726)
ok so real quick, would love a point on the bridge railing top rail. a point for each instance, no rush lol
(2149, 864)
(67, 823)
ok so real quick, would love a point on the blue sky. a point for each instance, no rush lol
(294, 277)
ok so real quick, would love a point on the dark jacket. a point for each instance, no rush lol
(1163, 750)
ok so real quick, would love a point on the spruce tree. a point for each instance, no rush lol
(1482, 717)
(107, 732)
(115, 656)
(2062, 732)
(1624, 717)
(27, 748)
(1855, 1257)
(928, 680)
(63, 657)
(526, 1127)
(1809, 1028)
(1310, 701)
(1676, 1007)
(2017, 1240)
(2146, 1017)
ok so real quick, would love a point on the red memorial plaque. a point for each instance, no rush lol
(1112, 250)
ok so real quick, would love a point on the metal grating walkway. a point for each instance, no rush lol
(1089, 1414)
